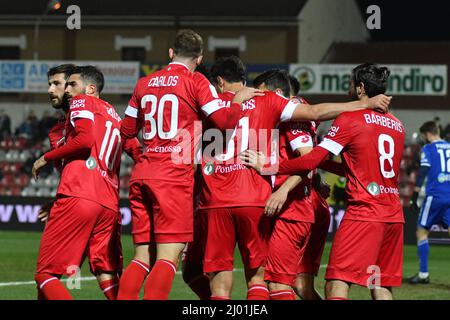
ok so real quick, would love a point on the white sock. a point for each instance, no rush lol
(423, 275)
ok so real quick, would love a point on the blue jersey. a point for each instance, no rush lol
(436, 155)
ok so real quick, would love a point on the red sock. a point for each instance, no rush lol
(132, 279)
(220, 298)
(282, 295)
(258, 292)
(200, 286)
(110, 288)
(159, 281)
(51, 287)
(337, 298)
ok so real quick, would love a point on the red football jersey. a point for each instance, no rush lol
(294, 135)
(372, 147)
(228, 182)
(169, 105)
(95, 176)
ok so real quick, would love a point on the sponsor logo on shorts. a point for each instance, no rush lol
(91, 163)
(373, 188)
(208, 169)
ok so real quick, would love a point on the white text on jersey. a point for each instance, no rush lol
(383, 121)
(163, 81)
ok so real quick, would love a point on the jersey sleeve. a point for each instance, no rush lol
(284, 108)
(81, 107)
(299, 136)
(132, 109)
(206, 95)
(338, 136)
(425, 159)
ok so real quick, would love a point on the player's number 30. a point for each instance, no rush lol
(157, 125)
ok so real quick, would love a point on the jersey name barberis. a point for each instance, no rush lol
(383, 121)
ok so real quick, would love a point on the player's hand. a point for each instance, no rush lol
(275, 203)
(253, 159)
(44, 212)
(245, 94)
(38, 164)
(380, 102)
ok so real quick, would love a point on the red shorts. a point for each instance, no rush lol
(246, 226)
(365, 253)
(310, 262)
(286, 248)
(77, 228)
(162, 211)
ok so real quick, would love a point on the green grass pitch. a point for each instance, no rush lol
(18, 251)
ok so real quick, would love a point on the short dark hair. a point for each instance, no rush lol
(430, 127)
(67, 69)
(230, 68)
(188, 44)
(374, 78)
(91, 74)
(274, 79)
(295, 85)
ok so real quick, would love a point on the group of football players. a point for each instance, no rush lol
(221, 164)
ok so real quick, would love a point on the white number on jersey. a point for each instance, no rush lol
(445, 160)
(386, 155)
(244, 124)
(157, 126)
(110, 140)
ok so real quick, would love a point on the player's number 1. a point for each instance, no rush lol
(445, 159)
(386, 155)
(157, 125)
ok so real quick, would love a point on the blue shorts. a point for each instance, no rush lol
(434, 210)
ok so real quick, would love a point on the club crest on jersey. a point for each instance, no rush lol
(373, 188)
(208, 169)
(91, 163)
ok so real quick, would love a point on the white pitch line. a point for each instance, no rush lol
(20, 283)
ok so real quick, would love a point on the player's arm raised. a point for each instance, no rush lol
(81, 143)
(328, 111)
(227, 118)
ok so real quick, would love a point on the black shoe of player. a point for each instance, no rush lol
(418, 280)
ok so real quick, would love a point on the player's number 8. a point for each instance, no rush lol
(386, 155)
(157, 125)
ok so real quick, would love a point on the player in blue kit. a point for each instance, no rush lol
(435, 166)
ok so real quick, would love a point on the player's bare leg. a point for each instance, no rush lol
(159, 281)
(134, 275)
(109, 284)
(257, 287)
(336, 290)
(382, 293)
(221, 284)
(304, 287)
